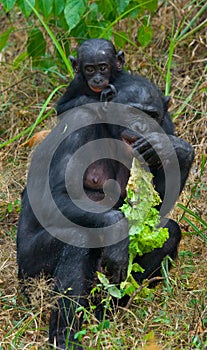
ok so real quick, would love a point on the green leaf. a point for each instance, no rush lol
(10, 208)
(120, 39)
(36, 44)
(103, 279)
(8, 4)
(138, 9)
(93, 13)
(74, 10)
(97, 30)
(145, 34)
(104, 325)
(79, 334)
(19, 59)
(58, 7)
(121, 5)
(108, 9)
(45, 7)
(114, 292)
(151, 6)
(25, 7)
(4, 38)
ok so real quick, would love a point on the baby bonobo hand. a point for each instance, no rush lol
(108, 93)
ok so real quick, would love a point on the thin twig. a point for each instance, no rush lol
(11, 86)
(146, 283)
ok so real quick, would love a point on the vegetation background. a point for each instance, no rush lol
(165, 41)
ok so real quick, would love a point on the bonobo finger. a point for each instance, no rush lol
(141, 145)
(108, 93)
(151, 157)
(129, 136)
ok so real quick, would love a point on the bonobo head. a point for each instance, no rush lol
(98, 63)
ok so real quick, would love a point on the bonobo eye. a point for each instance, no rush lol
(89, 69)
(103, 68)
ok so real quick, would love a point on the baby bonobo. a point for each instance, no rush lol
(96, 69)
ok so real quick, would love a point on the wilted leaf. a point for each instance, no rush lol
(36, 138)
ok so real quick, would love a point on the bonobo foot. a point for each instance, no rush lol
(108, 93)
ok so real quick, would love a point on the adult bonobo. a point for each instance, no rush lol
(96, 67)
(70, 173)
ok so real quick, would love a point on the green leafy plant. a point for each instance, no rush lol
(80, 19)
(143, 218)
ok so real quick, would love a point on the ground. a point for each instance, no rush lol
(174, 316)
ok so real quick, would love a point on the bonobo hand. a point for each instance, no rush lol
(153, 147)
(115, 261)
(108, 93)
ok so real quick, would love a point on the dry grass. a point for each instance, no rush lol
(176, 316)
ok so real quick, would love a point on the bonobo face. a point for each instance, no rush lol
(98, 62)
(97, 71)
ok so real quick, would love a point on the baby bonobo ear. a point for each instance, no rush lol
(120, 60)
(74, 63)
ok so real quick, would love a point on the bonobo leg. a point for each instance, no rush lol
(151, 262)
(115, 261)
(73, 277)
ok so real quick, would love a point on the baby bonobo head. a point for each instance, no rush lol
(98, 63)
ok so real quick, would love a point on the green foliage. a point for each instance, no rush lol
(8, 4)
(36, 45)
(73, 12)
(144, 233)
(145, 34)
(25, 7)
(4, 38)
(142, 217)
(14, 207)
(110, 288)
(80, 19)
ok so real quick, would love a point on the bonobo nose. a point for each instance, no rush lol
(97, 80)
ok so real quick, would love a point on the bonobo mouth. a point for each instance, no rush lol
(97, 88)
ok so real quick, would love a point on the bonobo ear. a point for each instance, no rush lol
(74, 63)
(166, 100)
(120, 60)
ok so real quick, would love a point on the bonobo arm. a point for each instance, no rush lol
(82, 217)
(76, 94)
(75, 102)
(153, 147)
(34, 244)
(108, 93)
